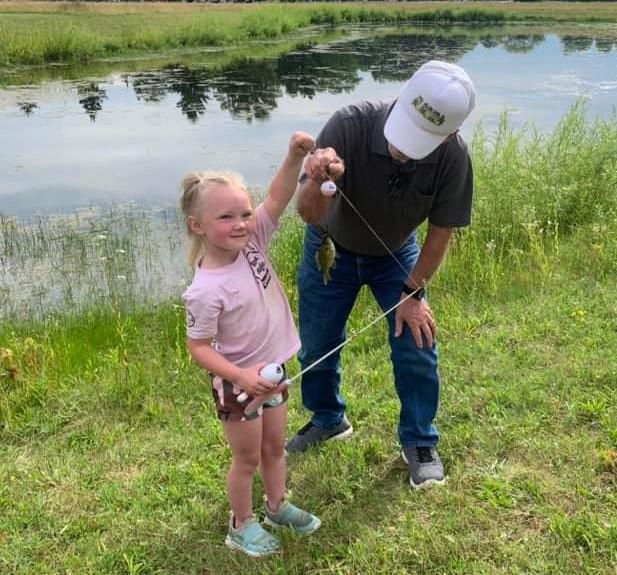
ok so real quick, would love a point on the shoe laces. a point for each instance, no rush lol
(424, 454)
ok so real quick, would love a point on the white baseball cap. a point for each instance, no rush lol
(434, 103)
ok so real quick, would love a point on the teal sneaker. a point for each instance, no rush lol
(251, 538)
(293, 517)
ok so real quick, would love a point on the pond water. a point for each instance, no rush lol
(91, 159)
(117, 136)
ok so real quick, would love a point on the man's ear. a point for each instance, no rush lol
(195, 226)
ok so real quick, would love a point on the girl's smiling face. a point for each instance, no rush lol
(224, 220)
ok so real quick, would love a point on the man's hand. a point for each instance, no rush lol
(418, 317)
(324, 164)
(252, 383)
(301, 144)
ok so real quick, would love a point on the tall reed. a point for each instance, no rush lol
(532, 191)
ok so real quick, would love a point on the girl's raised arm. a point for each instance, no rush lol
(283, 185)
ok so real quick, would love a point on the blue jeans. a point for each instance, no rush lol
(323, 314)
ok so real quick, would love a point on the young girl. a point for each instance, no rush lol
(238, 319)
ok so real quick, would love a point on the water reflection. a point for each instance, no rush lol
(91, 97)
(250, 89)
(160, 123)
(27, 107)
(517, 43)
(605, 44)
(573, 44)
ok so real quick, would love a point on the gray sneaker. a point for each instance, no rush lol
(425, 467)
(311, 435)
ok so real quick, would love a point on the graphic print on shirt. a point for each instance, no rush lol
(258, 265)
(190, 319)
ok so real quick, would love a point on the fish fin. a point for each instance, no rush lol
(317, 260)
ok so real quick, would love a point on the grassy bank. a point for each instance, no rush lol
(512, 36)
(111, 459)
(39, 33)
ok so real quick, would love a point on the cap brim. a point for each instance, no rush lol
(412, 141)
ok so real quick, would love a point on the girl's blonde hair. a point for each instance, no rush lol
(195, 188)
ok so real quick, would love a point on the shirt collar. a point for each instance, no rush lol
(380, 144)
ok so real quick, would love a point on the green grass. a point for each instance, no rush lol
(112, 460)
(514, 37)
(68, 37)
(40, 33)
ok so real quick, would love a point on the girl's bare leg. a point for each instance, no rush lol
(245, 440)
(273, 454)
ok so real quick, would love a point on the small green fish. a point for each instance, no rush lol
(325, 257)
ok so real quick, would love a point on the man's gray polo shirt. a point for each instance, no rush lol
(393, 198)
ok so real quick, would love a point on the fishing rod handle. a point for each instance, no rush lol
(273, 372)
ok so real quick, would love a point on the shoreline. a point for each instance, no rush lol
(49, 33)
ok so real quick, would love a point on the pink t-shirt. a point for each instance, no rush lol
(242, 305)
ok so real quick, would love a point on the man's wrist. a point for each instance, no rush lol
(415, 292)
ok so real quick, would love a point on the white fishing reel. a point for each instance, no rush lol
(328, 188)
(273, 372)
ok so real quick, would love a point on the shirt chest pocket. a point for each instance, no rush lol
(417, 203)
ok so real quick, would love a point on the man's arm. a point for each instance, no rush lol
(431, 255)
(312, 205)
(323, 164)
(416, 313)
